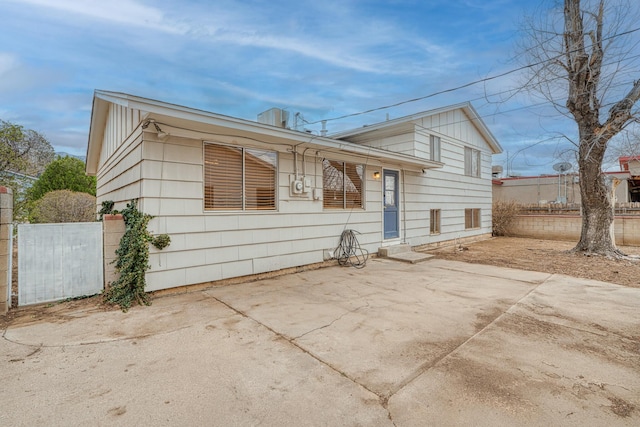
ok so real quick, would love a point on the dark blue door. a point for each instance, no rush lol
(390, 200)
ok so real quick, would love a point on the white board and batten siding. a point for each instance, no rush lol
(121, 156)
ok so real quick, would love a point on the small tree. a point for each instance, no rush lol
(64, 206)
(64, 173)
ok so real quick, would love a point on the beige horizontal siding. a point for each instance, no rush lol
(208, 246)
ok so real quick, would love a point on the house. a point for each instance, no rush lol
(632, 165)
(240, 197)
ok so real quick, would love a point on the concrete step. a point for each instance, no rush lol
(403, 253)
(392, 250)
(411, 257)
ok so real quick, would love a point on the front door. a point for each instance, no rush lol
(391, 211)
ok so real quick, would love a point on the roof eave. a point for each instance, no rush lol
(467, 107)
(153, 107)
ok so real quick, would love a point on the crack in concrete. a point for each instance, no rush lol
(332, 322)
(384, 398)
(430, 364)
(383, 401)
(528, 282)
(102, 341)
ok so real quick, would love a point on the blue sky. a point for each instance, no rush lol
(322, 58)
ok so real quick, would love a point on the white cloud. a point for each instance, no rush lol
(7, 63)
(15, 76)
(126, 12)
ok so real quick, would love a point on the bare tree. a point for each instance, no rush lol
(585, 53)
(23, 150)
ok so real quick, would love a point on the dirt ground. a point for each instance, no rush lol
(548, 256)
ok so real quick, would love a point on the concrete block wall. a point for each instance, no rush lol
(568, 227)
(113, 229)
(627, 230)
(6, 217)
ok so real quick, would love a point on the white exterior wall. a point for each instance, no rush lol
(446, 188)
(167, 178)
(119, 173)
(208, 246)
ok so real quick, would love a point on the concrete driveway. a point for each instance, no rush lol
(437, 343)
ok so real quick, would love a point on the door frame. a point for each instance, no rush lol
(396, 174)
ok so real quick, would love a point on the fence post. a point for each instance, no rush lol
(113, 229)
(6, 219)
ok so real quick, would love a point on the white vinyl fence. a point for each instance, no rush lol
(59, 261)
(10, 264)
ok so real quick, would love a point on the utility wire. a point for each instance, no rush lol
(486, 79)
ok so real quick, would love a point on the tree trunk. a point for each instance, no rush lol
(597, 235)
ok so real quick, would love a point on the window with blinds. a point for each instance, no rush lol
(471, 162)
(342, 184)
(238, 178)
(434, 221)
(434, 148)
(471, 218)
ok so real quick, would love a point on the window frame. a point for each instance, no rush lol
(472, 218)
(435, 148)
(472, 162)
(345, 200)
(248, 177)
(435, 221)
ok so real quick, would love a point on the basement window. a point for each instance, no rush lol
(434, 221)
(471, 218)
(342, 185)
(238, 178)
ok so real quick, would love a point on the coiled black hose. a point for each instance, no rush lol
(349, 252)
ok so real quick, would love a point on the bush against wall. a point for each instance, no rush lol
(132, 257)
(504, 213)
(64, 206)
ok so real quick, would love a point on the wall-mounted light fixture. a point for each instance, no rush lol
(376, 175)
(161, 134)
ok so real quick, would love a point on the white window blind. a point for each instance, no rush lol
(342, 184)
(434, 148)
(471, 218)
(471, 162)
(434, 221)
(238, 178)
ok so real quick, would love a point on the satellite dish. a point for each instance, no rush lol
(562, 167)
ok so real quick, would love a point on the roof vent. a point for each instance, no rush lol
(274, 117)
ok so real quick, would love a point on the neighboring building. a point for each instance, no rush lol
(239, 197)
(564, 188)
(632, 165)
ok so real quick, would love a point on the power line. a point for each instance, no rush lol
(486, 79)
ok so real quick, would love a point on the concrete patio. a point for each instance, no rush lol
(435, 343)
